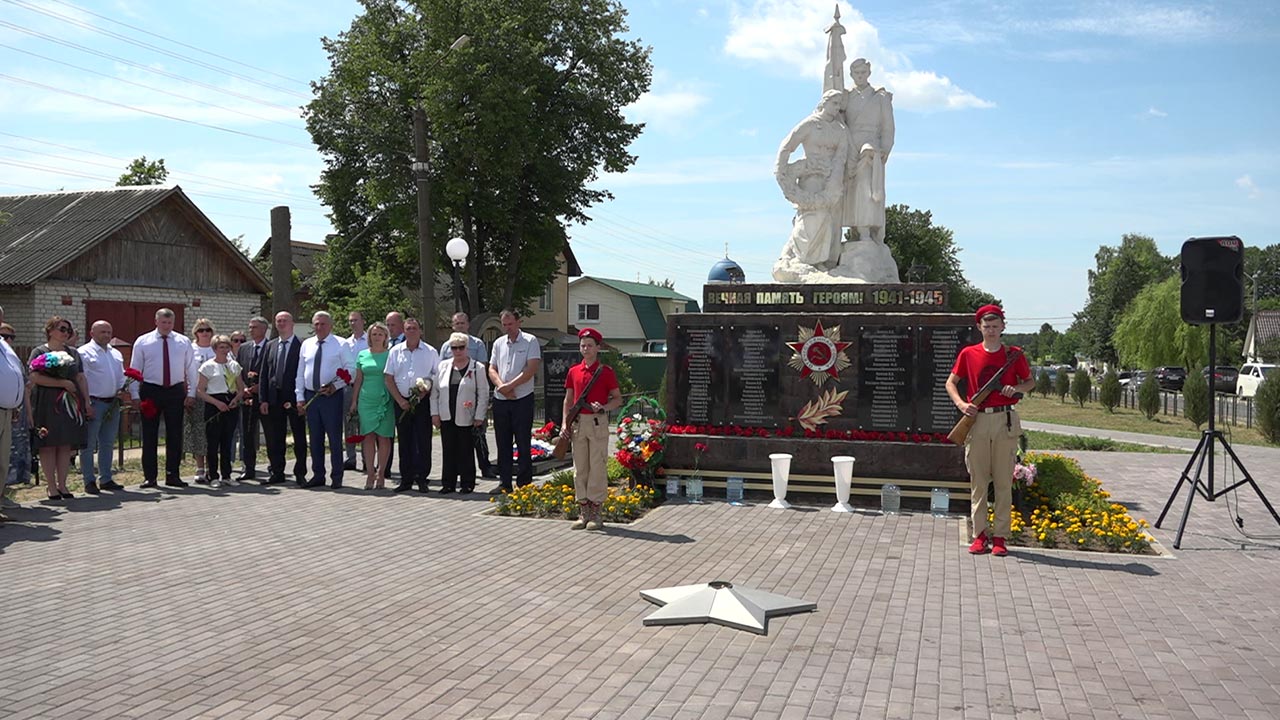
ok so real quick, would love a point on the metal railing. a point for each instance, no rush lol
(1229, 408)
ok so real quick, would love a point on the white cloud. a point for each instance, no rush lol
(1138, 20)
(1250, 188)
(789, 33)
(1156, 112)
(666, 111)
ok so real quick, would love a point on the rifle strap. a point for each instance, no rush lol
(581, 402)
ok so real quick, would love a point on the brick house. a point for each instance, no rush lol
(118, 255)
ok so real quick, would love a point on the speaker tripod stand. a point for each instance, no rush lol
(1202, 483)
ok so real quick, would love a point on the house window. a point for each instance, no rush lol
(544, 302)
(589, 311)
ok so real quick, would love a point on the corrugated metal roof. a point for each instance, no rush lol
(48, 230)
(1268, 324)
(636, 289)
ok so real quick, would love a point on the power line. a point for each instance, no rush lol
(149, 87)
(140, 66)
(180, 43)
(83, 96)
(148, 46)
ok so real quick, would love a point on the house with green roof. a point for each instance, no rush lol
(632, 316)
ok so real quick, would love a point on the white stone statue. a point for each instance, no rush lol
(812, 254)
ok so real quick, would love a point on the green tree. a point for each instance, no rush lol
(374, 293)
(1062, 386)
(522, 123)
(1195, 398)
(1151, 331)
(1044, 384)
(142, 172)
(1109, 391)
(621, 368)
(1080, 386)
(1267, 406)
(916, 241)
(1066, 346)
(1149, 395)
(1120, 273)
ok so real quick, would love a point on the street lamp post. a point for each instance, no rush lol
(421, 170)
(457, 250)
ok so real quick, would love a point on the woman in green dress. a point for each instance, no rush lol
(372, 402)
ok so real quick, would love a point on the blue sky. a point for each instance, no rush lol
(1035, 131)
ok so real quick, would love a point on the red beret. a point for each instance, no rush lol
(987, 310)
(592, 333)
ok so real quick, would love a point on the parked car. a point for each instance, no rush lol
(1251, 376)
(1124, 376)
(1224, 378)
(1170, 377)
(1137, 378)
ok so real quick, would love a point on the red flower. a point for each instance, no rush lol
(149, 409)
(133, 374)
(353, 439)
(344, 375)
(700, 447)
(810, 433)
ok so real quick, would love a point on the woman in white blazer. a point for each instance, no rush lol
(459, 403)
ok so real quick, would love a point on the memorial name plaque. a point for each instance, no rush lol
(886, 370)
(556, 364)
(755, 363)
(937, 348)
(698, 390)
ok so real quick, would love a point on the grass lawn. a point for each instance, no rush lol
(1047, 441)
(1093, 415)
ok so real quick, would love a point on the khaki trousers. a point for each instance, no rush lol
(591, 444)
(989, 453)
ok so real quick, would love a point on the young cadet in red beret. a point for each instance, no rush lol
(992, 446)
(590, 431)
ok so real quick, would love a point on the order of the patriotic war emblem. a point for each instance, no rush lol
(819, 353)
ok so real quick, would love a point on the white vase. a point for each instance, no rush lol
(780, 464)
(844, 481)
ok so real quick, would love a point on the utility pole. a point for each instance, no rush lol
(282, 261)
(426, 261)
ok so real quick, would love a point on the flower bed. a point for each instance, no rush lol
(1062, 507)
(555, 499)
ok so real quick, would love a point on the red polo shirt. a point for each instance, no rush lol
(578, 377)
(977, 366)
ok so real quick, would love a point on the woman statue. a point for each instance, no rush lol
(814, 184)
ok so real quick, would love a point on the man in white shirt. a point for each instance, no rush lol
(322, 362)
(357, 342)
(104, 374)
(407, 363)
(164, 357)
(478, 352)
(515, 359)
(12, 391)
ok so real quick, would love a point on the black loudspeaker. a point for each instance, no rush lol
(1212, 280)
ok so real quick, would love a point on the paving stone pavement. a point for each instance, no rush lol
(289, 603)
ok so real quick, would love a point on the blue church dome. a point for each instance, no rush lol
(726, 271)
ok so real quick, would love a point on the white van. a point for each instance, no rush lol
(1251, 376)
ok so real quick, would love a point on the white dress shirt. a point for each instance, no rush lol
(103, 369)
(12, 381)
(148, 357)
(509, 358)
(199, 356)
(356, 344)
(406, 365)
(217, 373)
(336, 356)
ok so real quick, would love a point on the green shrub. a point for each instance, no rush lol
(616, 474)
(1044, 385)
(1080, 387)
(1149, 395)
(1109, 391)
(1057, 475)
(562, 477)
(1195, 399)
(1266, 404)
(1062, 386)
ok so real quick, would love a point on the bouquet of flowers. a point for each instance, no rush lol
(421, 389)
(1024, 473)
(640, 446)
(545, 432)
(59, 364)
(131, 376)
(343, 374)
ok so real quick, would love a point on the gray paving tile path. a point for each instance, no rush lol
(288, 603)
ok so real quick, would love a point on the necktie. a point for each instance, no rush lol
(281, 359)
(253, 364)
(315, 367)
(164, 340)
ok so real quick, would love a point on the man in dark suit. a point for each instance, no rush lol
(278, 401)
(251, 357)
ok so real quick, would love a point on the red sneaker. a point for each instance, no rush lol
(979, 544)
(997, 547)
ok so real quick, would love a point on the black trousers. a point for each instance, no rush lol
(169, 401)
(513, 422)
(414, 431)
(279, 421)
(458, 467)
(219, 433)
(250, 420)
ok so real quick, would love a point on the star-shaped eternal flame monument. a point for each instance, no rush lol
(721, 603)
